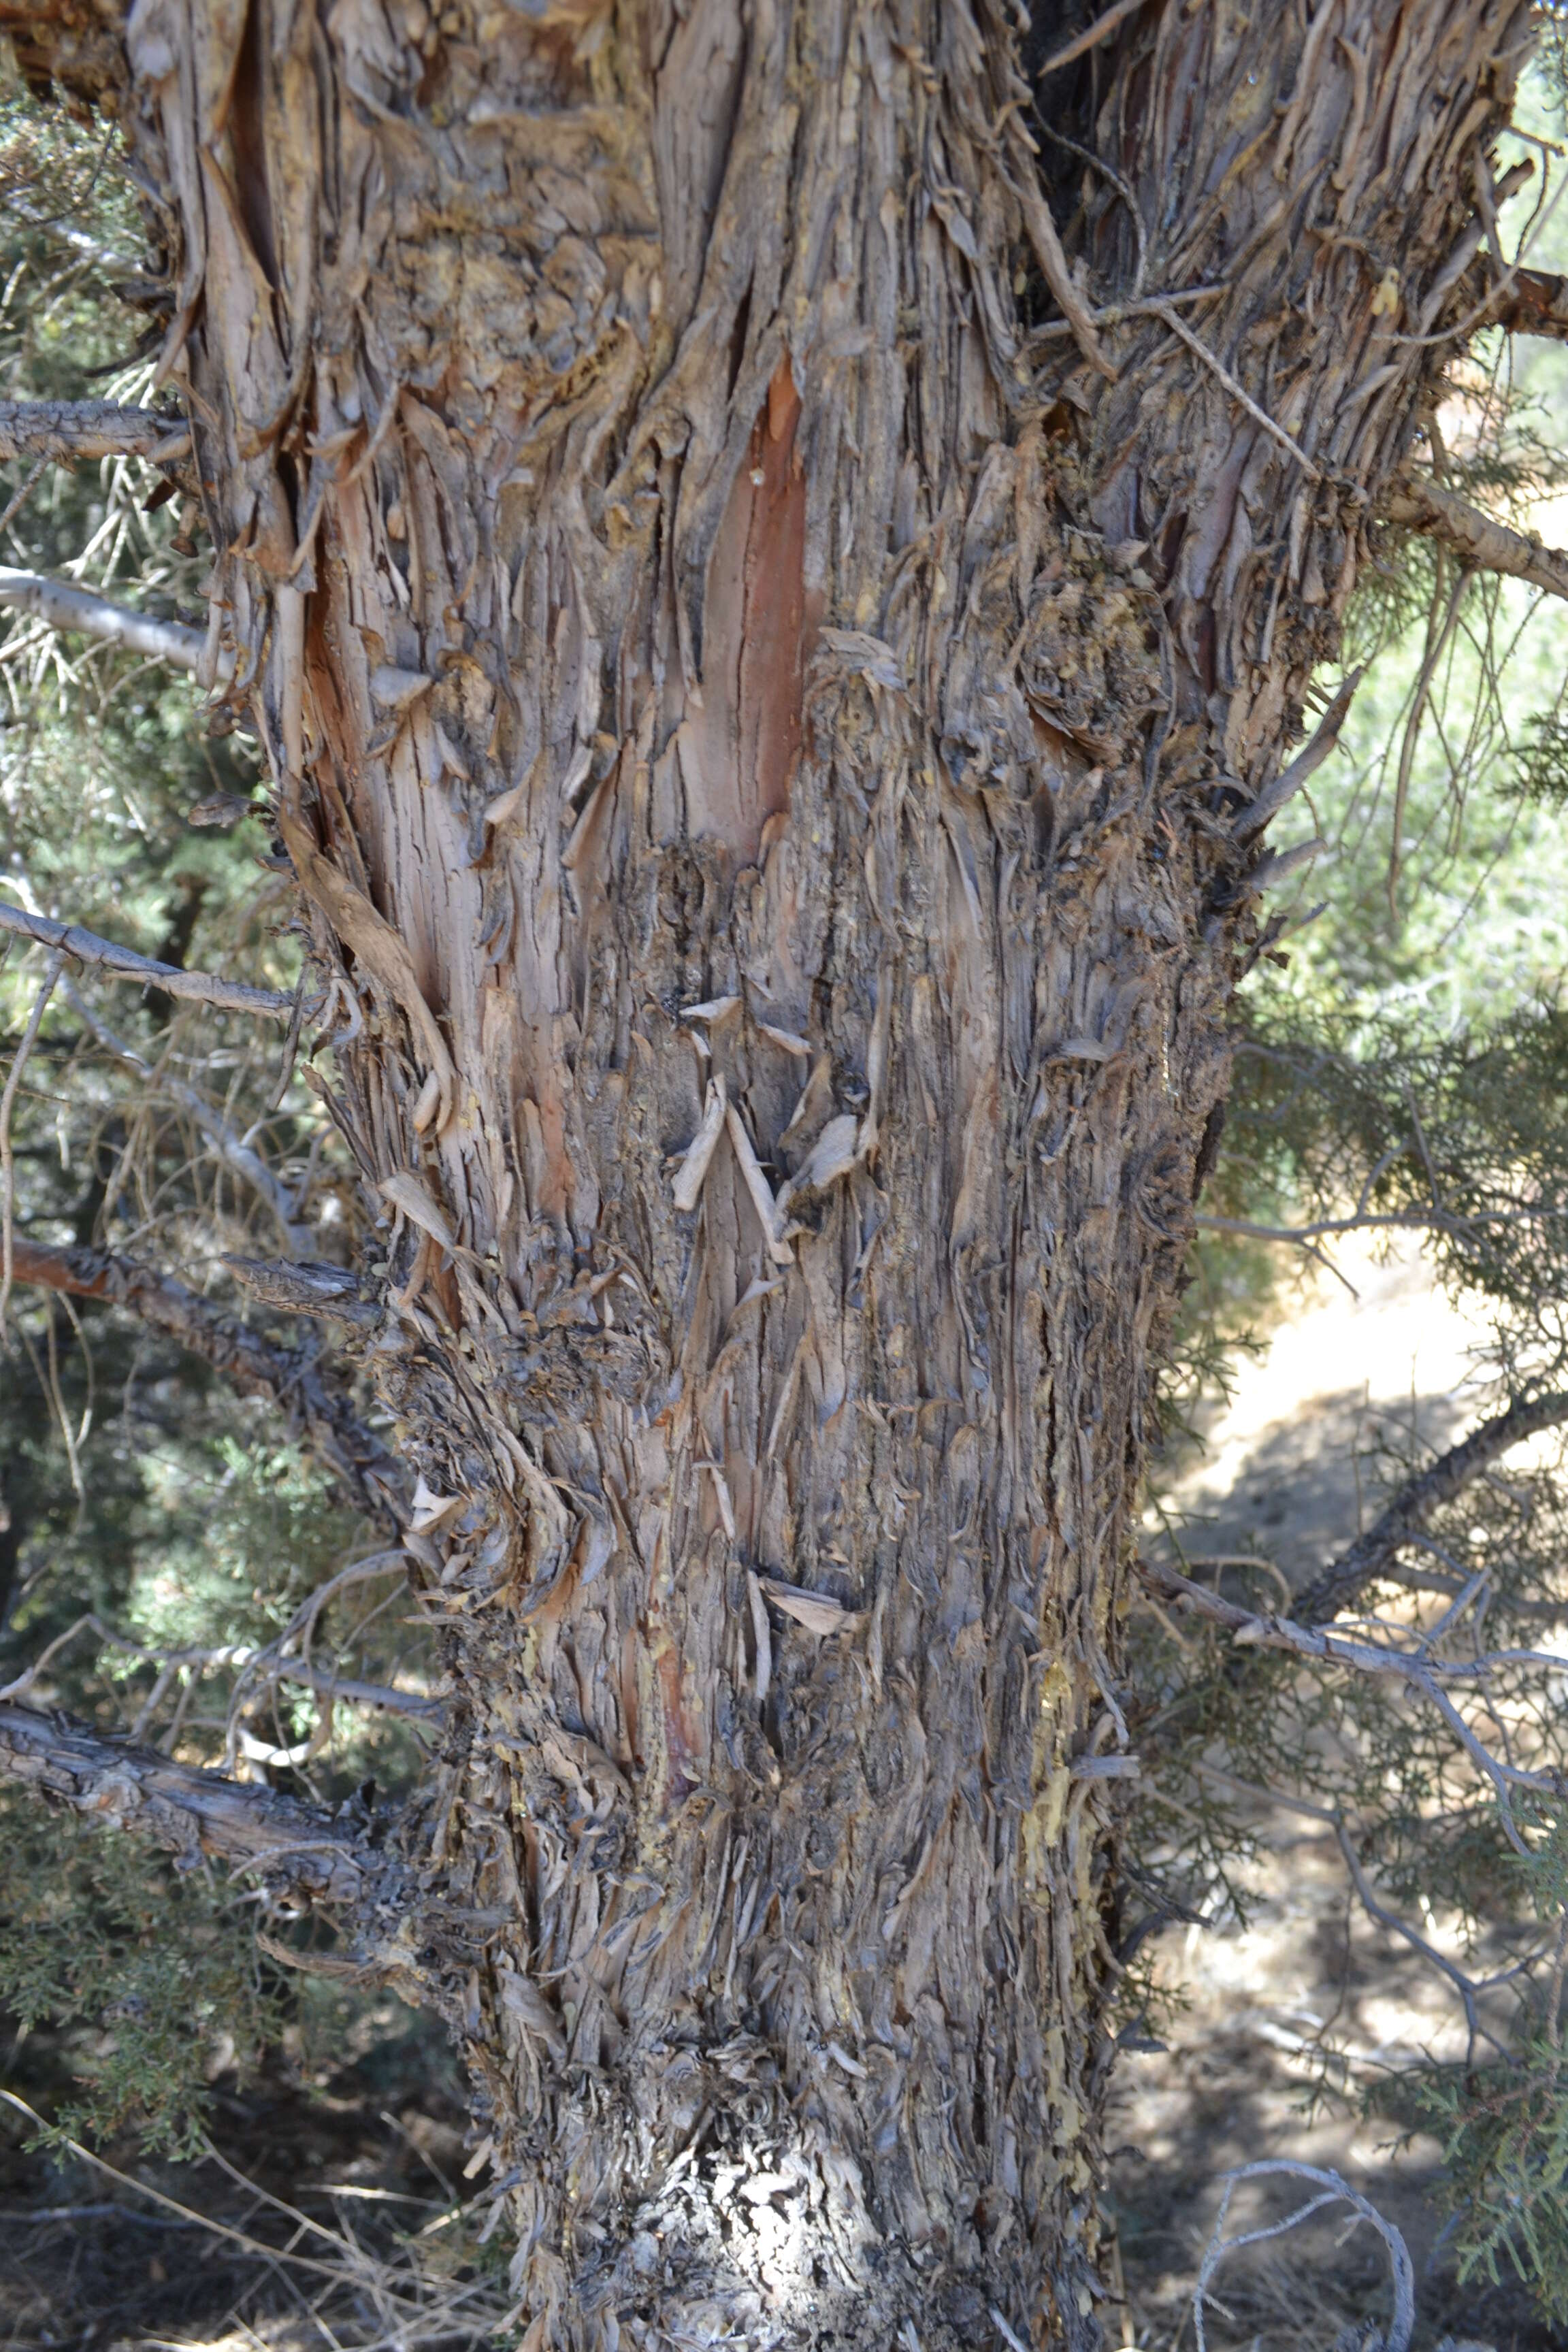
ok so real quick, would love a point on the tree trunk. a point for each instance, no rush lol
(767, 738)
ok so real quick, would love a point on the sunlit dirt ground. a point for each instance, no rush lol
(1378, 1362)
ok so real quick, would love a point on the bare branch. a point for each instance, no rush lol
(62, 430)
(1146, 306)
(1420, 1221)
(291, 1379)
(124, 963)
(1041, 230)
(62, 605)
(227, 1146)
(258, 1668)
(296, 1847)
(1332, 2190)
(1417, 1669)
(1469, 1989)
(1262, 1629)
(308, 1289)
(1238, 392)
(1536, 304)
(1481, 543)
(1306, 761)
(1408, 1511)
(1091, 37)
(7, 1101)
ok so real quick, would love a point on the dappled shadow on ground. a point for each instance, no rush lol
(1351, 1393)
(1249, 2074)
(365, 2150)
(1304, 1487)
(1354, 1385)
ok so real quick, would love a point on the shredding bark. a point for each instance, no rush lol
(674, 559)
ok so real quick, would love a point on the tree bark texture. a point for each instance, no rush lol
(298, 1848)
(764, 715)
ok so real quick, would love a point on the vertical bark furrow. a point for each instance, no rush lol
(756, 718)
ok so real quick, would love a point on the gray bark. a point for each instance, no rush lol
(755, 726)
(66, 430)
(124, 963)
(63, 605)
(297, 1850)
(1479, 540)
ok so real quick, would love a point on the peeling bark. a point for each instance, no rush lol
(65, 430)
(1479, 540)
(760, 734)
(296, 1849)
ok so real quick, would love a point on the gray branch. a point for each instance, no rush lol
(63, 430)
(310, 1288)
(314, 1405)
(230, 1148)
(62, 605)
(1481, 543)
(1273, 797)
(1413, 1506)
(124, 963)
(1332, 2191)
(296, 1848)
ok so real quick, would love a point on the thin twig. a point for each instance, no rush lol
(19, 500)
(1435, 1220)
(1107, 171)
(1334, 2192)
(1113, 313)
(8, 1163)
(1165, 310)
(1090, 37)
(1469, 1989)
(1436, 647)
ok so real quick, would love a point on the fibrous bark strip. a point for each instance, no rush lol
(724, 679)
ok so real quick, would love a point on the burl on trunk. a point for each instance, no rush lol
(772, 707)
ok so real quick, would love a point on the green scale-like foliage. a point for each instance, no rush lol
(153, 1973)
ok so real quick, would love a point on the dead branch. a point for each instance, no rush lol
(7, 1101)
(124, 963)
(60, 604)
(1412, 1507)
(1536, 304)
(1041, 230)
(1091, 37)
(61, 431)
(308, 1289)
(1481, 543)
(297, 1849)
(1418, 1669)
(291, 1379)
(1332, 2191)
(1262, 1629)
(1420, 1221)
(1469, 1989)
(1439, 637)
(1238, 392)
(1305, 764)
(258, 1668)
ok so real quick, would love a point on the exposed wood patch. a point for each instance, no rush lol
(740, 752)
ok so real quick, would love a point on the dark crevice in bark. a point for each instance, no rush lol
(785, 1066)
